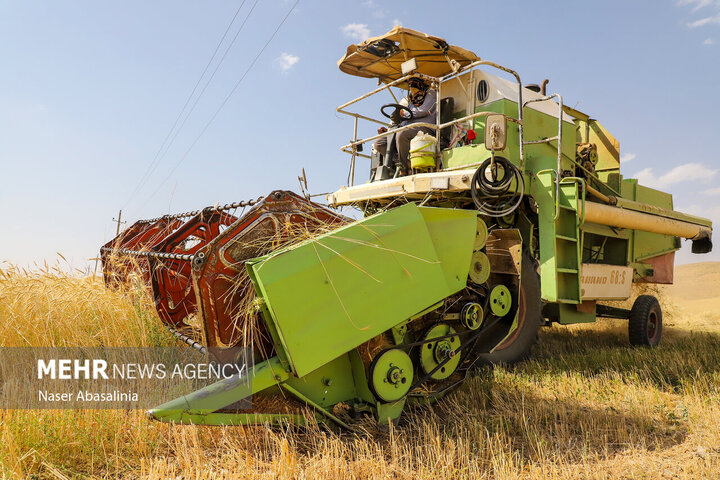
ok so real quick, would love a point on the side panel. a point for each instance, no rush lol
(451, 231)
(648, 245)
(606, 282)
(329, 294)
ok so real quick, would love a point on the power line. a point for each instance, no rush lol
(217, 67)
(153, 164)
(224, 102)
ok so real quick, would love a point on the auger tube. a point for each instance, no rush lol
(625, 218)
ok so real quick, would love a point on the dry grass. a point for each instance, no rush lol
(248, 330)
(52, 308)
(587, 406)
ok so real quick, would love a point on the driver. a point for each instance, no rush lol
(421, 101)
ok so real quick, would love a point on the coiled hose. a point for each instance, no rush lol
(491, 189)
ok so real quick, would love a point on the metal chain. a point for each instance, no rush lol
(184, 338)
(150, 254)
(179, 256)
(228, 206)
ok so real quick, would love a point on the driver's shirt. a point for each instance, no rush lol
(425, 113)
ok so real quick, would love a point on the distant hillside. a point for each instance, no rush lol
(694, 299)
(696, 281)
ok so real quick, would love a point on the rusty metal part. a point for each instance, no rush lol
(172, 264)
(586, 155)
(504, 250)
(662, 267)
(220, 280)
(139, 237)
(162, 251)
(194, 262)
(543, 87)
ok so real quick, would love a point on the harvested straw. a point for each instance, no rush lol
(249, 327)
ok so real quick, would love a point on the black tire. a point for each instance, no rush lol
(645, 323)
(517, 347)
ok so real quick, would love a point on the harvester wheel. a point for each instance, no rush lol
(645, 324)
(516, 347)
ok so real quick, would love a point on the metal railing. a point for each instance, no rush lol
(351, 148)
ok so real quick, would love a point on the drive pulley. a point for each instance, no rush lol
(442, 351)
(479, 268)
(391, 375)
(500, 300)
(471, 316)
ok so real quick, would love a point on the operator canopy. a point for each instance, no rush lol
(381, 57)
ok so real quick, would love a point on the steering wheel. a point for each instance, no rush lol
(395, 115)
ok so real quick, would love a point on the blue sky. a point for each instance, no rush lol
(89, 91)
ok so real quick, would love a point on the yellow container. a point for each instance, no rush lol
(422, 151)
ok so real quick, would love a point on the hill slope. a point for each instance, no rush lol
(694, 298)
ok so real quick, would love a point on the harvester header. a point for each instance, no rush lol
(490, 209)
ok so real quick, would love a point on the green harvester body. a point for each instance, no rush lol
(347, 310)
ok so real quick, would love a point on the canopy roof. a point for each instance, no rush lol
(381, 57)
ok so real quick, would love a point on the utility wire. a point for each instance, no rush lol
(224, 102)
(153, 164)
(207, 83)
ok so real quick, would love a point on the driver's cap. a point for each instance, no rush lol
(416, 82)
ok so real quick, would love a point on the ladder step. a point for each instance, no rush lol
(567, 300)
(567, 270)
(565, 207)
(566, 238)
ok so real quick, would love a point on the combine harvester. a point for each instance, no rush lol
(514, 215)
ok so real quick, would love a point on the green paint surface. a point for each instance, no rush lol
(644, 244)
(537, 126)
(329, 294)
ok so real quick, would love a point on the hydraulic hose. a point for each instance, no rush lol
(491, 189)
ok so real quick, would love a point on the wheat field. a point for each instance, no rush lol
(586, 405)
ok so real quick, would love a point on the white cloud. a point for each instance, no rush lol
(693, 209)
(713, 213)
(356, 31)
(711, 191)
(627, 157)
(397, 22)
(287, 60)
(697, 4)
(705, 21)
(709, 41)
(378, 11)
(681, 173)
